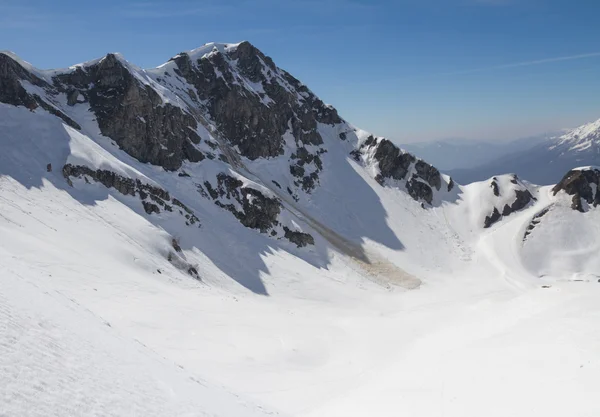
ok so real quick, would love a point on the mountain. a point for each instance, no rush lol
(209, 238)
(545, 162)
(454, 154)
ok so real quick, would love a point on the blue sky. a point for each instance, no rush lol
(411, 70)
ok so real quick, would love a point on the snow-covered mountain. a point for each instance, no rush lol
(209, 238)
(546, 162)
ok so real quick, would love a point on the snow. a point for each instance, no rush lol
(581, 138)
(59, 358)
(587, 168)
(396, 309)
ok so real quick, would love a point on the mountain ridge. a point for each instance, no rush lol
(220, 241)
(546, 162)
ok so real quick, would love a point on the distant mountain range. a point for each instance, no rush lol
(450, 154)
(543, 163)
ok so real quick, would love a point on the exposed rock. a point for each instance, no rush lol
(176, 245)
(153, 198)
(492, 218)
(522, 199)
(392, 162)
(252, 208)
(418, 190)
(72, 97)
(428, 173)
(299, 238)
(534, 222)
(11, 90)
(133, 114)
(396, 164)
(302, 158)
(450, 185)
(150, 208)
(254, 121)
(495, 187)
(583, 185)
(12, 74)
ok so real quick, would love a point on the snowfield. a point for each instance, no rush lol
(398, 309)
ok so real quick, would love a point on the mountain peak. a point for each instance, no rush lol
(581, 138)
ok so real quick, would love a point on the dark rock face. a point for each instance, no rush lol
(522, 198)
(534, 222)
(254, 121)
(392, 162)
(133, 114)
(303, 158)
(12, 91)
(253, 208)
(428, 173)
(395, 164)
(257, 211)
(300, 239)
(154, 199)
(450, 185)
(578, 183)
(254, 104)
(418, 190)
(492, 218)
(495, 187)
(127, 111)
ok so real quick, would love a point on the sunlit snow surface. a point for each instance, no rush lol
(94, 320)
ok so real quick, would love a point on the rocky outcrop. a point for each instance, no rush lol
(252, 208)
(252, 102)
(257, 107)
(583, 185)
(299, 238)
(393, 163)
(518, 195)
(306, 167)
(12, 76)
(154, 199)
(522, 199)
(11, 89)
(492, 218)
(494, 186)
(534, 222)
(133, 114)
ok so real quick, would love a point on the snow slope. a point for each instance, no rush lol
(398, 308)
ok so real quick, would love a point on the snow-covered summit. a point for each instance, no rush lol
(210, 238)
(580, 139)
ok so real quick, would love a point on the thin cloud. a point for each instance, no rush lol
(526, 63)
